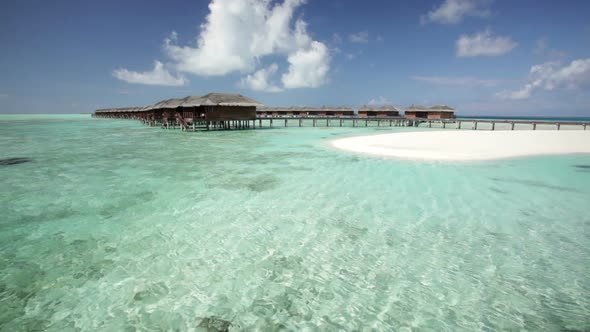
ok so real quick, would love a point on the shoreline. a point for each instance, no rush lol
(459, 145)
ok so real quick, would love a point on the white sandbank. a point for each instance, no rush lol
(457, 145)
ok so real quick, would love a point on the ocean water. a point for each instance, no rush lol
(114, 226)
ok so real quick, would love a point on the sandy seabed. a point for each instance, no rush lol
(459, 145)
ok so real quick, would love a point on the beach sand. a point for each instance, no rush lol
(463, 145)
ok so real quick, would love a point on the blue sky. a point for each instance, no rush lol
(480, 56)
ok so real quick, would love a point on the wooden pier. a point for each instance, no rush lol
(195, 124)
(220, 111)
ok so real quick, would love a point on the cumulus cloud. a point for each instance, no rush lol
(260, 80)
(483, 44)
(238, 34)
(307, 67)
(379, 101)
(361, 37)
(157, 76)
(456, 81)
(551, 76)
(453, 11)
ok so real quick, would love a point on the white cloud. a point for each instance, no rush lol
(453, 11)
(238, 34)
(361, 37)
(260, 80)
(551, 76)
(307, 67)
(157, 76)
(379, 101)
(483, 44)
(456, 81)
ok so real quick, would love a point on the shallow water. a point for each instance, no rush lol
(115, 226)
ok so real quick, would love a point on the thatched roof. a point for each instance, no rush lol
(383, 108)
(166, 104)
(388, 108)
(120, 109)
(211, 99)
(442, 108)
(418, 108)
(228, 99)
(303, 109)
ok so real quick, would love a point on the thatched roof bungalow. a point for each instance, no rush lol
(123, 112)
(380, 111)
(212, 106)
(305, 111)
(434, 112)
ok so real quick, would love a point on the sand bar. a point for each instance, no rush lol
(456, 145)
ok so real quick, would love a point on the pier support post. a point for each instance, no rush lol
(353, 122)
(534, 126)
(558, 125)
(366, 123)
(585, 126)
(327, 122)
(444, 123)
(458, 124)
(429, 124)
(511, 125)
(493, 125)
(474, 125)
(299, 122)
(314, 122)
(285, 123)
(341, 124)
(271, 122)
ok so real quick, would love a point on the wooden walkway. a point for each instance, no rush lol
(357, 121)
(457, 123)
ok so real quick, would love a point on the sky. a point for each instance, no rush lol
(482, 57)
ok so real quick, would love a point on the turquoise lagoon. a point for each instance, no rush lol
(114, 226)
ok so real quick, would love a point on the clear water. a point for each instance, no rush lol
(114, 226)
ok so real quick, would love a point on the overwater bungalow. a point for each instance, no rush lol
(379, 111)
(217, 109)
(212, 107)
(304, 111)
(442, 112)
(434, 112)
(331, 111)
